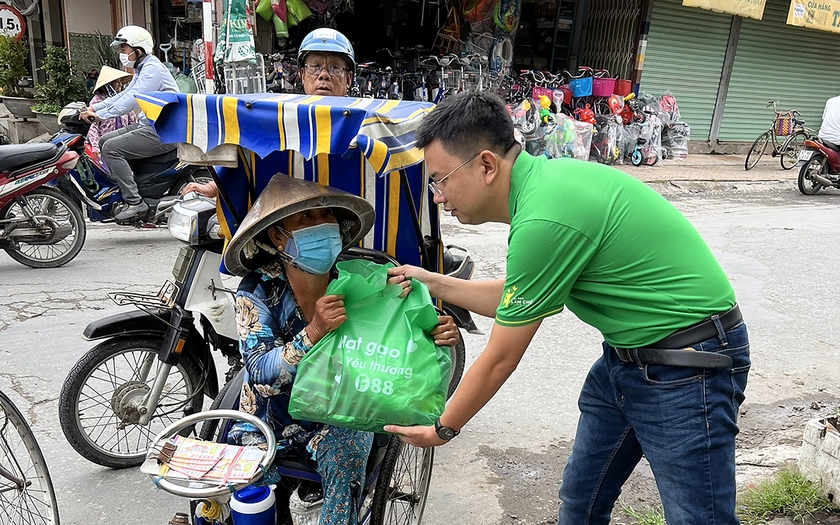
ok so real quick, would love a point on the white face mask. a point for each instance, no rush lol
(125, 61)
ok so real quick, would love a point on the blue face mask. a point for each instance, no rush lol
(314, 249)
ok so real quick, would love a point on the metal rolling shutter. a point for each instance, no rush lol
(798, 67)
(684, 54)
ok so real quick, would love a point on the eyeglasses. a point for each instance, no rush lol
(315, 69)
(435, 185)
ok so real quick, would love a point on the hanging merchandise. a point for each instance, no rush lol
(506, 15)
(236, 36)
(448, 38)
(318, 6)
(283, 14)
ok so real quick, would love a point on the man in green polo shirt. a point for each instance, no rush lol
(621, 258)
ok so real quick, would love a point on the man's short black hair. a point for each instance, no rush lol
(468, 122)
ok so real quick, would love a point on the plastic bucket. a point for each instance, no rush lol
(253, 506)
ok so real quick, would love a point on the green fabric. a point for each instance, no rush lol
(620, 256)
(380, 366)
(236, 39)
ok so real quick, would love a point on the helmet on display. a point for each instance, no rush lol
(326, 40)
(69, 119)
(135, 36)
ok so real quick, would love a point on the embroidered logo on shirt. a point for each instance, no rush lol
(508, 296)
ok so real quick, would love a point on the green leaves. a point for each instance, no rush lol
(63, 85)
(12, 55)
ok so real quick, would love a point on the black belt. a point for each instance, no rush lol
(675, 349)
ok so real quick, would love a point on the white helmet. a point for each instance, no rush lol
(135, 36)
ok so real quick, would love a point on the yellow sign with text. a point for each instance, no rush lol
(746, 8)
(823, 15)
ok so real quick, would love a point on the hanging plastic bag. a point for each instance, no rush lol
(380, 366)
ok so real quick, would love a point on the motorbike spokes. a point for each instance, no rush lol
(808, 183)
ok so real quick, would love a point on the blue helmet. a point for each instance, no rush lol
(327, 40)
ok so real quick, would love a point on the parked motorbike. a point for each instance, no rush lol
(154, 364)
(819, 166)
(41, 225)
(160, 179)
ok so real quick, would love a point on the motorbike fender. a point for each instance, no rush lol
(207, 297)
(133, 323)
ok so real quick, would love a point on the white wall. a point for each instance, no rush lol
(88, 16)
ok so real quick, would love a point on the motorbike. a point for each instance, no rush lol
(154, 364)
(819, 166)
(160, 179)
(41, 224)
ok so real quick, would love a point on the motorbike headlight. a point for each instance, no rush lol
(183, 223)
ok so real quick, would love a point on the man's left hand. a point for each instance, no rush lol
(422, 437)
(88, 116)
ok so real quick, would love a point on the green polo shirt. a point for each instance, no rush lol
(615, 252)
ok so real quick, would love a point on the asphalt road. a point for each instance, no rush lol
(779, 249)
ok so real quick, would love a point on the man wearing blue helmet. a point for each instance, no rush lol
(327, 65)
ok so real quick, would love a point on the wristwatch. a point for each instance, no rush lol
(445, 433)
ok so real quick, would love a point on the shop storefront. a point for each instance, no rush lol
(724, 69)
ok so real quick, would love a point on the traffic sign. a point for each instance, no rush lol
(12, 23)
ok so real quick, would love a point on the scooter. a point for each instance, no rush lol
(41, 225)
(819, 166)
(160, 180)
(155, 364)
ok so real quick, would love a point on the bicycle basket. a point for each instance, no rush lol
(581, 87)
(603, 85)
(784, 124)
(623, 87)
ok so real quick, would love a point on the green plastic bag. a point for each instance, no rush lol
(380, 366)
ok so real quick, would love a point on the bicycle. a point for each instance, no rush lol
(788, 151)
(26, 490)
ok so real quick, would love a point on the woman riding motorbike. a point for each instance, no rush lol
(286, 249)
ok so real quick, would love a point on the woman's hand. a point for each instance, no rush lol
(446, 332)
(401, 275)
(329, 314)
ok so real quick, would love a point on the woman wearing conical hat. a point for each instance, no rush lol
(286, 249)
(109, 82)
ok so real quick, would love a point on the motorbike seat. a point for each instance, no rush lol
(20, 155)
(830, 145)
(153, 165)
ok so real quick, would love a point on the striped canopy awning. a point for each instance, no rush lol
(362, 146)
(383, 130)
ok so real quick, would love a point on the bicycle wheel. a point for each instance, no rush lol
(791, 148)
(757, 150)
(26, 489)
(403, 485)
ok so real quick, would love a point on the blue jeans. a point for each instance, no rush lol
(683, 420)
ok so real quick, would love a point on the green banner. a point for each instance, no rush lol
(236, 36)
(746, 8)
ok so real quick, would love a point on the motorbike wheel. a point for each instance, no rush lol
(458, 355)
(807, 183)
(62, 211)
(791, 148)
(100, 395)
(757, 150)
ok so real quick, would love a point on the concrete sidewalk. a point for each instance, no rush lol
(713, 169)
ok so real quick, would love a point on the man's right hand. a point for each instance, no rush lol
(329, 314)
(88, 116)
(401, 275)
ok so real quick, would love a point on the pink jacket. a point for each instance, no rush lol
(101, 127)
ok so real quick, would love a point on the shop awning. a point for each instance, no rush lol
(746, 8)
(823, 15)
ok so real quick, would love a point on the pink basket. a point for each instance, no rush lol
(603, 87)
(536, 91)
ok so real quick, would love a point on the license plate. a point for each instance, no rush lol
(806, 154)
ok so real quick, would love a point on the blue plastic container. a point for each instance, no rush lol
(253, 506)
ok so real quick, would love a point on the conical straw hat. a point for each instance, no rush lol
(107, 75)
(284, 196)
